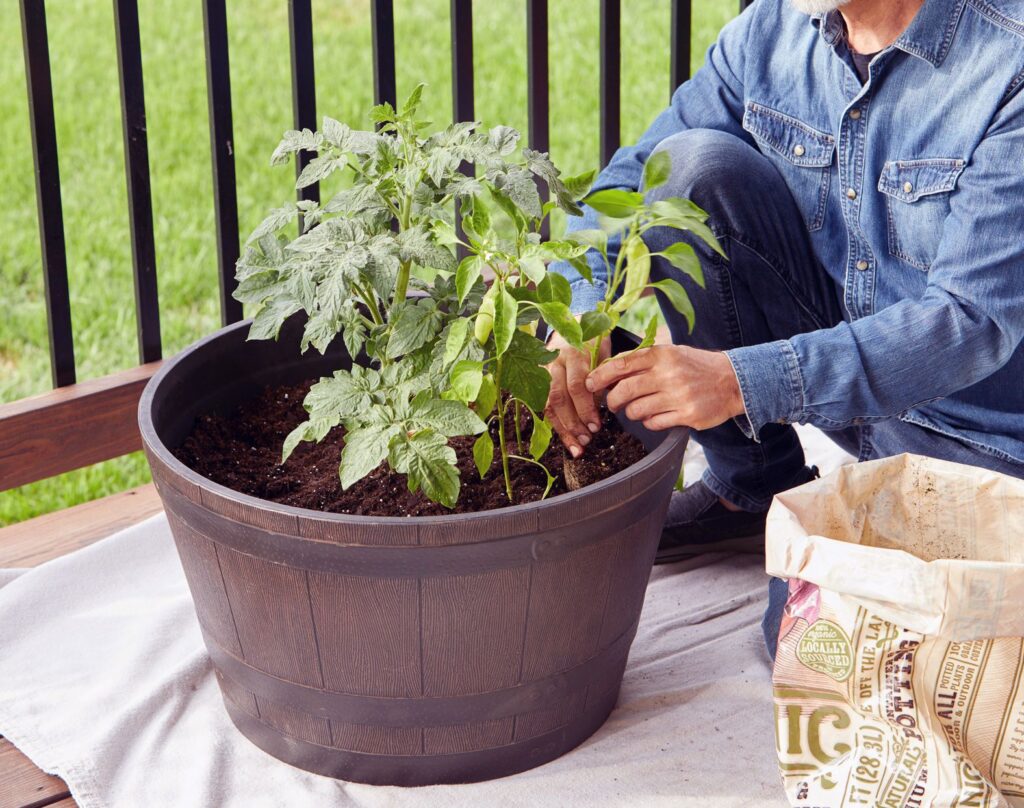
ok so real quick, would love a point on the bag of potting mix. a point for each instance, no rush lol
(899, 679)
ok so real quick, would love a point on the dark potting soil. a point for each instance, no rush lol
(242, 451)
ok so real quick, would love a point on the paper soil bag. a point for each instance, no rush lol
(898, 680)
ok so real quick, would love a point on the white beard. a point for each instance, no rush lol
(816, 7)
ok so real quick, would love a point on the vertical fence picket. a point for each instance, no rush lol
(537, 83)
(682, 14)
(300, 29)
(462, 76)
(48, 198)
(462, 60)
(537, 74)
(136, 158)
(222, 153)
(382, 19)
(611, 78)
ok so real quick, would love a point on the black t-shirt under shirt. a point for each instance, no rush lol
(861, 61)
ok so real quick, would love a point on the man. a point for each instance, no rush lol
(862, 164)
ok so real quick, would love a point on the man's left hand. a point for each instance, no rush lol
(670, 385)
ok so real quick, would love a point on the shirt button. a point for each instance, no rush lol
(908, 187)
(862, 265)
(851, 194)
(855, 114)
(799, 150)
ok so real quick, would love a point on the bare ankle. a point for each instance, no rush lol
(729, 506)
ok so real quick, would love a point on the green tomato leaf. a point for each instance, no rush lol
(657, 170)
(466, 378)
(503, 139)
(295, 140)
(448, 418)
(615, 203)
(595, 324)
(417, 324)
(268, 320)
(506, 308)
(483, 454)
(517, 185)
(313, 429)
(429, 464)
(677, 296)
(557, 315)
(365, 449)
(319, 168)
(342, 396)
(258, 287)
(274, 221)
(541, 437)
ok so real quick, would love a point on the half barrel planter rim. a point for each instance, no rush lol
(155, 444)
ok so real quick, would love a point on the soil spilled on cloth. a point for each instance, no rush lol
(243, 451)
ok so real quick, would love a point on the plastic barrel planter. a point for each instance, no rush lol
(402, 651)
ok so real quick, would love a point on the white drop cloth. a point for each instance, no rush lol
(105, 682)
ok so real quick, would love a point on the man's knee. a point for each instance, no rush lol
(705, 164)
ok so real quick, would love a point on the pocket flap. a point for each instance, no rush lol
(792, 139)
(909, 180)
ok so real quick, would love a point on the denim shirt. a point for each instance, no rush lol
(912, 187)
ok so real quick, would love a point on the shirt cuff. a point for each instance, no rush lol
(586, 295)
(770, 383)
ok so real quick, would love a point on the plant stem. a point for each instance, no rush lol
(371, 302)
(548, 475)
(519, 435)
(502, 442)
(402, 284)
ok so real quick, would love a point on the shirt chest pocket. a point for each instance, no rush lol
(802, 154)
(917, 204)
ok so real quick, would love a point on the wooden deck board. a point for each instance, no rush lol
(28, 544)
(23, 785)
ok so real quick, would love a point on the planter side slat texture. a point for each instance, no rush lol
(403, 651)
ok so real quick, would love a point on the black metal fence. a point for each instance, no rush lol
(300, 17)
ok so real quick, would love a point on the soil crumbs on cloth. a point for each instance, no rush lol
(243, 451)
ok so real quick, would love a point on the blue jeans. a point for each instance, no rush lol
(771, 287)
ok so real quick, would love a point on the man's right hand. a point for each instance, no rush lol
(571, 408)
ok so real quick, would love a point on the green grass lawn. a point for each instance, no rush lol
(82, 55)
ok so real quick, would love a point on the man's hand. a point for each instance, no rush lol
(571, 408)
(671, 385)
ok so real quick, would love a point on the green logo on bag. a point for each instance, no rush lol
(825, 648)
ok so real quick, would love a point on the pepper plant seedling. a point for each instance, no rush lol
(629, 215)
